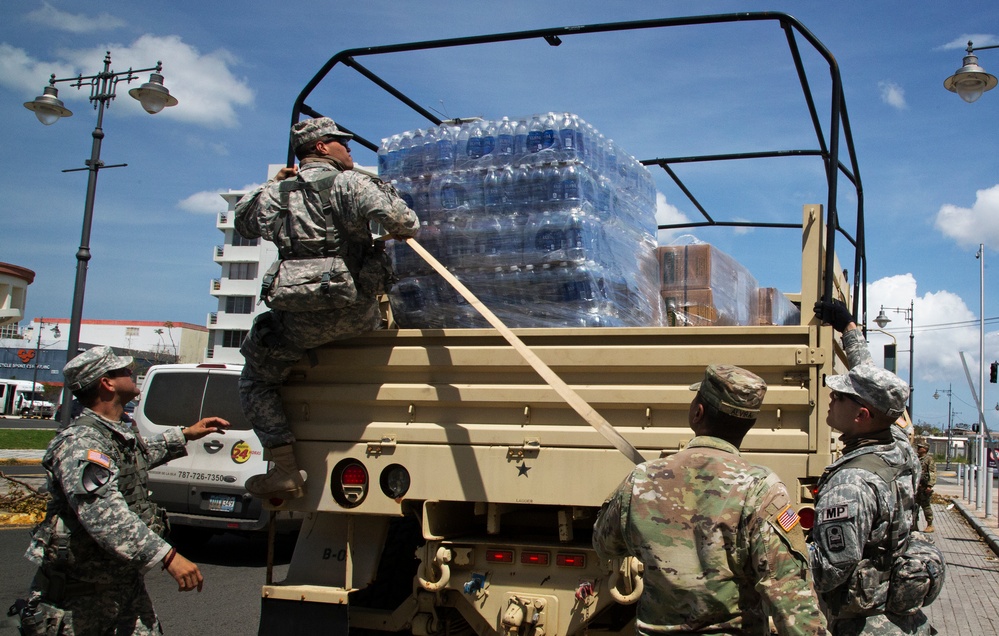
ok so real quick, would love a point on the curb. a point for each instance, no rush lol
(989, 535)
(17, 461)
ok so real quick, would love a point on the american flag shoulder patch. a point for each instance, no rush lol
(788, 518)
(98, 457)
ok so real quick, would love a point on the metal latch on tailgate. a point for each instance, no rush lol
(386, 445)
(530, 448)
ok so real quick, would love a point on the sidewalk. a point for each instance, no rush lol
(19, 457)
(969, 602)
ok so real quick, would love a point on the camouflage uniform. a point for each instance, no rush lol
(720, 542)
(927, 479)
(101, 532)
(279, 339)
(852, 551)
(858, 353)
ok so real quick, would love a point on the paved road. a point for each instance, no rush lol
(233, 566)
(17, 422)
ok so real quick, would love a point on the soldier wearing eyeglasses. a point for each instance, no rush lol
(101, 532)
(865, 502)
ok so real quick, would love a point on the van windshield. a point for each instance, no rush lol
(181, 399)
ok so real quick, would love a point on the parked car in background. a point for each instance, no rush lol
(203, 492)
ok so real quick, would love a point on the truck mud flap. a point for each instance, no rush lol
(279, 617)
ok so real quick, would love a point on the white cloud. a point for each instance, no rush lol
(73, 22)
(206, 202)
(943, 327)
(961, 41)
(21, 73)
(892, 94)
(667, 213)
(208, 92)
(210, 201)
(969, 227)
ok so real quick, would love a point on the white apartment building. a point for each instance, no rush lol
(243, 264)
(237, 289)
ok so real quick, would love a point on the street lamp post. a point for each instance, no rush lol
(971, 81)
(48, 108)
(883, 320)
(936, 396)
(38, 348)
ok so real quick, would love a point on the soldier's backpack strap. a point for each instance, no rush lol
(874, 463)
(335, 232)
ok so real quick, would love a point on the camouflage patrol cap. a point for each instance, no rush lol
(89, 366)
(922, 443)
(732, 390)
(877, 387)
(312, 130)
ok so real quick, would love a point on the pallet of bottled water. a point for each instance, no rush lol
(545, 220)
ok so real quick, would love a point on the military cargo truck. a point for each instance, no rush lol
(451, 490)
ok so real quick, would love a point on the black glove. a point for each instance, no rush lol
(833, 312)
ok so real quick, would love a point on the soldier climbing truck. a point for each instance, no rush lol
(451, 489)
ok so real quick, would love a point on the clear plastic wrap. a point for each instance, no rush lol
(547, 222)
(701, 285)
(774, 308)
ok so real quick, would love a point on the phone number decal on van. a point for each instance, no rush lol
(211, 477)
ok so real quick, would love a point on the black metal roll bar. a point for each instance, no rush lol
(828, 146)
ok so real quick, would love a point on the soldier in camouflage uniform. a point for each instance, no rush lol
(101, 533)
(279, 339)
(721, 544)
(865, 502)
(927, 479)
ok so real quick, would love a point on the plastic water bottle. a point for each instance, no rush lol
(569, 178)
(553, 185)
(446, 139)
(488, 138)
(567, 137)
(416, 154)
(432, 239)
(544, 239)
(492, 185)
(472, 188)
(520, 140)
(446, 192)
(383, 159)
(505, 141)
(409, 299)
(405, 152)
(421, 194)
(537, 188)
(549, 132)
(521, 194)
(460, 243)
(507, 192)
(535, 135)
(486, 233)
(473, 143)
(430, 149)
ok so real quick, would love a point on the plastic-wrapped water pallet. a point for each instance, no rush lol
(550, 224)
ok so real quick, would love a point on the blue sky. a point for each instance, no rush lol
(927, 159)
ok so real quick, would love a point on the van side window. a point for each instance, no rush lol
(222, 400)
(180, 399)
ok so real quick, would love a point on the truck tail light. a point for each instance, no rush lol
(570, 560)
(807, 517)
(349, 483)
(499, 556)
(534, 558)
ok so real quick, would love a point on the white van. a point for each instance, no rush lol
(203, 492)
(24, 398)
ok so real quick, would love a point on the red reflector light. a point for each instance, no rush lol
(499, 556)
(807, 517)
(569, 560)
(354, 475)
(535, 558)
